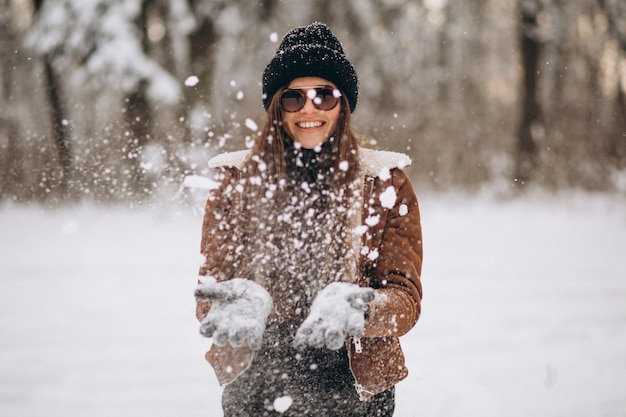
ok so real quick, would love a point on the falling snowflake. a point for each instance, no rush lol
(372, 220)
(191, 81)
(384, 174)
(282, 404)
(388, 197)
(251, 124)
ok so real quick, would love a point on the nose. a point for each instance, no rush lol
(309, 98)
(308, 106)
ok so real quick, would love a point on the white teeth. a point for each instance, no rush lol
(309, 125)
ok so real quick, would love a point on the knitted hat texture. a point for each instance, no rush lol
(310, 51)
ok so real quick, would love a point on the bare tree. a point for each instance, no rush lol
(615, 12)
(9, 170)
(530, 121)
(476, 92)
(58, 117)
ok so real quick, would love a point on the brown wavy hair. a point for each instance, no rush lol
(269, 188)
(269, 145)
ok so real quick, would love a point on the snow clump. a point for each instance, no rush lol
(282, 404)
(192, 81)
(388, 197)
(196, 181)
(251, 124)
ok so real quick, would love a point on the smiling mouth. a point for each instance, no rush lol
(309, 125)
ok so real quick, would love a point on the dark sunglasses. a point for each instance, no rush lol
(323, 98)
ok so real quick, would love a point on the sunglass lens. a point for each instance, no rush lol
(322, 98)
(292, 100)
(326, 99)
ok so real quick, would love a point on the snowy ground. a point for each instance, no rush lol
(524, 311)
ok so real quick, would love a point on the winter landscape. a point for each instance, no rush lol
(107, 103)
(524, 310)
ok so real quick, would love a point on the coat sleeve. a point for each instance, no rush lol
(217, 244)
(395, 273)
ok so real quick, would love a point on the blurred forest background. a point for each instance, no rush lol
(120, 100)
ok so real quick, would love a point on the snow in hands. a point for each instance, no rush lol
(338, 311)
(239, 310)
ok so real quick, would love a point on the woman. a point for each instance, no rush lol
(313, 250)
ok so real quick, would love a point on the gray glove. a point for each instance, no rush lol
(337, 311)
(239, 310)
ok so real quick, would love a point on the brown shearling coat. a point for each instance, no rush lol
(391, 262)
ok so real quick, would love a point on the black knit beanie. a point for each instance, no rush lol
(310, 51)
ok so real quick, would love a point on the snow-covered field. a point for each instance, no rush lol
(524, 311)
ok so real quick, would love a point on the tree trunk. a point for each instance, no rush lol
(7, 127)
(138, 120)
(60, 126)
(530, 124)
(139, 123)
(616, 17)
(59, 121)
(617, 135)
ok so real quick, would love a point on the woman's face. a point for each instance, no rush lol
(309, 126)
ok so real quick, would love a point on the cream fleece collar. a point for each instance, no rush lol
(374, 163)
